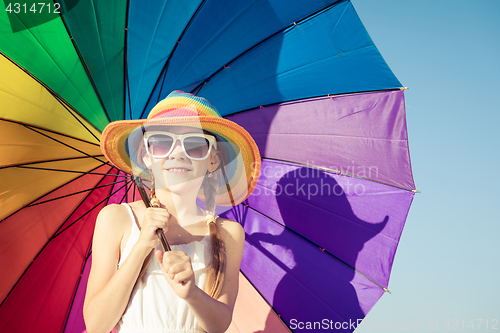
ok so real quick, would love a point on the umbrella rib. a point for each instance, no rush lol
(336, 215)
(126, 192)
(89, 253)
(45, 245)
(46, 194)
(287, 270)
(72, 171)
(50, 131)
(127, 96)
(65, 144)
(87, 71)
(208, 41)
(167, 63)
(59, 233)
(95, 206)
(74, 193)
(90, 248)
(291, 101)
(101, 53)
(319, 247)
(164, 75)
(74, 294)
(45, 161)
(338, 172)
(197, 89)
(151, 94)
(55, 95)
(329, 135)
(148, 48)
(126, 86)
(56, 63)
(133, 193)
(59, 99)
(47, 53)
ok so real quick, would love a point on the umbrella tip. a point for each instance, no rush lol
(404, 88)
(387, 290)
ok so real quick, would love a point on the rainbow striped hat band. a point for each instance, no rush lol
(121, 141)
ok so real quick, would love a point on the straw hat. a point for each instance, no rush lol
(121, 141)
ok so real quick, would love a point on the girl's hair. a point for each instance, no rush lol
(217, 264)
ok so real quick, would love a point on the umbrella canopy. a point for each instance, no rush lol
(302, 77)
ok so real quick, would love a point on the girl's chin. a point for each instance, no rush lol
(179, 183)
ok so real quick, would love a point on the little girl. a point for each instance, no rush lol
(190, 155)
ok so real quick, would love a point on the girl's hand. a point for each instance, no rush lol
(154, 218)
(178, 271)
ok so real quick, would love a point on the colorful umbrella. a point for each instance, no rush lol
(303, 77)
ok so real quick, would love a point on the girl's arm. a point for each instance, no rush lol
(215, 315)
(109, 288)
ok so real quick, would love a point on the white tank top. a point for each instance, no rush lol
(153, 306)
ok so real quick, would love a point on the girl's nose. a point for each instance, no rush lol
(177, 151)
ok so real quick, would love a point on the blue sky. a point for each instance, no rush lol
(447, 266)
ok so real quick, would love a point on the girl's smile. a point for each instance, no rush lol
(178, 170)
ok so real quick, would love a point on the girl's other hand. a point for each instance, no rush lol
(154, 218)
(178, 271)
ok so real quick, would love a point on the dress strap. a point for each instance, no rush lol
(132, 215)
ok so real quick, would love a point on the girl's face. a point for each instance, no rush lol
(183, 168)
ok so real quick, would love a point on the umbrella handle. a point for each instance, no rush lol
(159, 232)
(163, 240)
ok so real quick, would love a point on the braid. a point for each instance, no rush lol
(216, 267)
(210, 187)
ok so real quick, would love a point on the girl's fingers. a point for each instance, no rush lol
(159, 257)
(180, 273)
(175, 262)
(177, 267)
(160, 211)
(182, 276)
(173, 257)
(154, 218)
(158, 224)
(153, 221)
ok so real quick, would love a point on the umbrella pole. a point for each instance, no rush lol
(145, 199)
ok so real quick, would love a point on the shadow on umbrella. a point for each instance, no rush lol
(311, 253)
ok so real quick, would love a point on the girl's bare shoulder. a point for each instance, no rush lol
(116, 212)
(115, 218)
(111, 219)
(232, 230)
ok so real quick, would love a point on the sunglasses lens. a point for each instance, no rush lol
(160, 144)
(196, 147)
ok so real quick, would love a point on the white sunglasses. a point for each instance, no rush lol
(196, 146)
